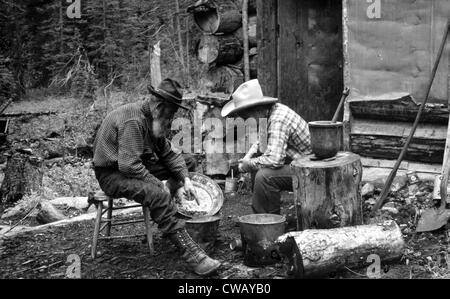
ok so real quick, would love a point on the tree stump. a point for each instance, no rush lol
(219, 49)
(328, 192)
(23, 175)
(317, 252)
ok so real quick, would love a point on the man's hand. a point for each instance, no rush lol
(244, 165)
(189, 191)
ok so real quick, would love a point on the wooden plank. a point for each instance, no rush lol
(398, 129)
(405, 165)
(266, 29)
(347, 78)
(292, 47)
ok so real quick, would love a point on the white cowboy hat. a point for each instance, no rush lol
(247, 95)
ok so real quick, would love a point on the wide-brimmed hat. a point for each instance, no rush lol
(169, 90)
(249, 94)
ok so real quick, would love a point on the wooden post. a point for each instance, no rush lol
(267, 35)
(180, 40)
(245, 35)
(188, 67)
(317, 252)
(328, 192)
(155, 65)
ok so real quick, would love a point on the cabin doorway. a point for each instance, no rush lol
(305, 58)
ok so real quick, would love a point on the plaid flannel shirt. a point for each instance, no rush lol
(288, 136)
(124, 141)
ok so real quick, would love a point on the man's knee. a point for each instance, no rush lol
(261, 177)
(151, 193)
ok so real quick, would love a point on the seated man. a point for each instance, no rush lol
(288, 139)
(132, 156)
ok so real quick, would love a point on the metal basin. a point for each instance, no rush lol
(258, 234)
(204, 230)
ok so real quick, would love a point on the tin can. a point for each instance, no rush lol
(413, 178)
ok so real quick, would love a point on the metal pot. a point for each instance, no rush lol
(258, 235)
(326, 138)
(204, 230)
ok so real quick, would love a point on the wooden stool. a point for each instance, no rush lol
(98, 200)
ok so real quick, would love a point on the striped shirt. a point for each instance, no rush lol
(124, 141)
(288, 137)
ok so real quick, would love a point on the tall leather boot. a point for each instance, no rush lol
(193, 254)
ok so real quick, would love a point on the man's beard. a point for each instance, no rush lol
(160, 127)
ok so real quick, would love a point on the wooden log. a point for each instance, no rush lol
(252, 40)
(219, 49)
(23, 175)
(216, 17)
(327, 192)
(401, 109)
(389, 147)
(223, 79)
(253, 65)
(252, 10)
(317, 252)
(385, 139)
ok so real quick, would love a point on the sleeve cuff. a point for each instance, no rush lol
(182, 175)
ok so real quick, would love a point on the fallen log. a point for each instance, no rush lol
(403, 108)
(327, 192)
(219, 49)
(318, 252)
(389, 147)
(216, 17)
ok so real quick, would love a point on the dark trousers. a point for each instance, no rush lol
(162, 208)
(268, 184)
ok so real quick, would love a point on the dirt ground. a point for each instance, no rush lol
(44, 254)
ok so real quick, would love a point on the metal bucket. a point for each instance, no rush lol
(326, 138)
(258, 235)
(231, 185)
(204, 230)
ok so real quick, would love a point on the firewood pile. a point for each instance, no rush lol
(221, 47)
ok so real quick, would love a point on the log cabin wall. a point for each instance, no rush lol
(389, 50)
